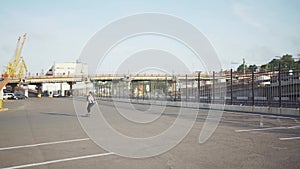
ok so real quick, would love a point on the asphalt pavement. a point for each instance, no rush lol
(46, 133)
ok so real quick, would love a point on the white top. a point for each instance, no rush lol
(90, 99)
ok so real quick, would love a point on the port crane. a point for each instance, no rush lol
(17, 68)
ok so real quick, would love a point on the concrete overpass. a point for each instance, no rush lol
(106, 77)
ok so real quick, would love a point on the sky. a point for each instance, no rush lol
(58, 30)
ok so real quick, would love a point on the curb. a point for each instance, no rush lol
(242, 109)
(3, 109)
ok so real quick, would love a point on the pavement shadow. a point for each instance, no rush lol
(59, 114)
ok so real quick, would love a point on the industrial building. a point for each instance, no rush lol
(68, 69)
(64, 69)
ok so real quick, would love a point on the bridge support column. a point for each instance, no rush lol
(39, 89)
(71, 88)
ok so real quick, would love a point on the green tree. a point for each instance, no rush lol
(265, 67)
(274, 64)
(286, 62)
(254, 67)
(242, 67)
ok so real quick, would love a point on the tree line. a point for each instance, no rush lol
(286, 62)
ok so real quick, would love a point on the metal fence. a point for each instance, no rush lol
(273, 89)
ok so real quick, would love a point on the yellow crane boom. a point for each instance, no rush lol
(22, 68)
(17, 68)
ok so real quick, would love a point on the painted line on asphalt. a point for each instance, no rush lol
(264, 115)
(43, 144)
(57, 161)
(289, 138)
(271, 128)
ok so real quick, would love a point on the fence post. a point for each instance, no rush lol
(198, 95)
(131, 91)
(155, 88)
(144, 88)
(186, 89)
(122, 89)
(252, 78)
(100, 90)
(279, 85)
(119, 92)
(213, 87)
(231, 87)
(175, 89)
(166, 90)
(150, 89)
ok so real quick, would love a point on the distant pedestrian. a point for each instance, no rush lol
(90, 103)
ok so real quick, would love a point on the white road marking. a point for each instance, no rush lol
(289, 138)
(57, 161)
(271, 128)
(279, 148)
(42, 144)
(264, 115)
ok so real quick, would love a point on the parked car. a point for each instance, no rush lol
(20, 96)
(9, 96)
(5, 96)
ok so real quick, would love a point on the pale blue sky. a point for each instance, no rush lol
(58, 30)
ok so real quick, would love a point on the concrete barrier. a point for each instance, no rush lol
(290, 112)
(265, 110)
(274, 110)
(235, 108)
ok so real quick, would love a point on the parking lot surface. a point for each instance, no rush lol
(46, 133)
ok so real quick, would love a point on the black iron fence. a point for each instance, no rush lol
(273, 89)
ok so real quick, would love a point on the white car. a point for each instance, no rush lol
(9, 96)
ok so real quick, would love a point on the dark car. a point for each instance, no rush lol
(20, 96)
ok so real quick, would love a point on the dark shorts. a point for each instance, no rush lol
(89, 106)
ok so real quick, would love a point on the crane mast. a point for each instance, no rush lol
(17, 67)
